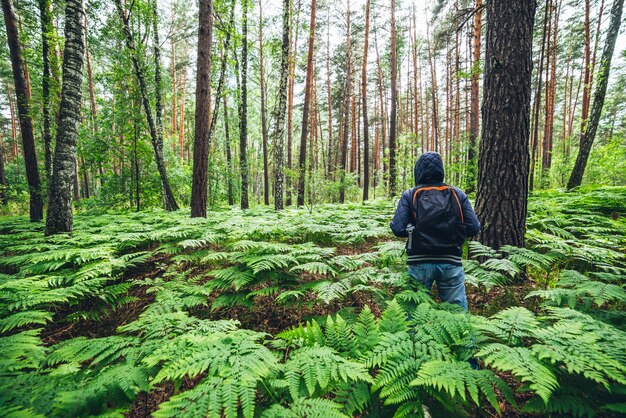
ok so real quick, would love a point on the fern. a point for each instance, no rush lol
(458, 378)
(523, 364)
(315, 369)
(20, 319)
(305, 408)
(510, 326)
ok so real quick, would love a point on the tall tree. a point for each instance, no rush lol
(366, 140)
(305, 110)
(501, 200)
(394, 103)
(243, 108)
(3, 180)
(59, 216)
(201, 137)
(279, 113)
(45, 13)
(156, 137)
(588, 134)
(347, 92)
(266, 169)
(474, 99)
(23, 110)
(537, 101)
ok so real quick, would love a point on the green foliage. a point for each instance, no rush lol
(149, 298)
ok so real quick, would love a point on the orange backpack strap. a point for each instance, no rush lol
(418, 191)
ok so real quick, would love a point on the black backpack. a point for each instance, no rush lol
(437, 219)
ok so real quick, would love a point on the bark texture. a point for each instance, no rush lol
(201, 138)
(279, 113)
(501, 199)
(305, 110)
(243, 109)
(59, 215)
(588, 134)
(45, 14)
(23, 110)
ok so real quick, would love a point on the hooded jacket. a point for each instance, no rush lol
(428, 171)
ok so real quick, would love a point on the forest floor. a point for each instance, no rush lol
(107, 320)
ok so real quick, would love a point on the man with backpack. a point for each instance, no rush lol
(436, 218)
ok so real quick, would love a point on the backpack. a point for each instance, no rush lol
(437, 219)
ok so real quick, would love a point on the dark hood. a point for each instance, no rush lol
(428, 169)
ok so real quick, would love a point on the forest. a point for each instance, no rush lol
(196, 196)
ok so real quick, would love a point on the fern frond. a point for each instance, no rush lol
(20, 319)
(523, 364)
(457, 378)
(310, 369)
(306, 408)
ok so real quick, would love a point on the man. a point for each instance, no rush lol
(436, 218)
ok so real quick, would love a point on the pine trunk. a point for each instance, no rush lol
(537, 101)
(59, 216)
(45, 13)
(229, 158)
(243, 109)
(201, 136)
(366, 140)
(394, 103)
(346, 113)
(305, 111)
(501, 200)
(23, 110)
(266, 169)
(474, 99)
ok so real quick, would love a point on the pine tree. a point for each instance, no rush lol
(501, 199)
(201, 138)
(23, 110)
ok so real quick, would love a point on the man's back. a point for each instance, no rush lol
(440, 228)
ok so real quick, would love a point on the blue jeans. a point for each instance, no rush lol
(450, 280)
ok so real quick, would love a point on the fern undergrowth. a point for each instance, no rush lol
(551, 338)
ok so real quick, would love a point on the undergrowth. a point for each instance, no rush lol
(173, 283)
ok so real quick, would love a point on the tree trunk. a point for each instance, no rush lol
(366, 140)
(394, 103)
(279, 112)
(305, 110)
(290, 83)
(181, 121)
(3, 180)
(546, 161)
(229, 159)
(346, 113)
(59, 216)
(501, 199)
(330, 103)
(537, 101)
(45, 12)
(155, 132)
(23, 110)
(588, 135)
(587, 66)
(201, 137)
(474, 100)
(243, 109)
(266, 169)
